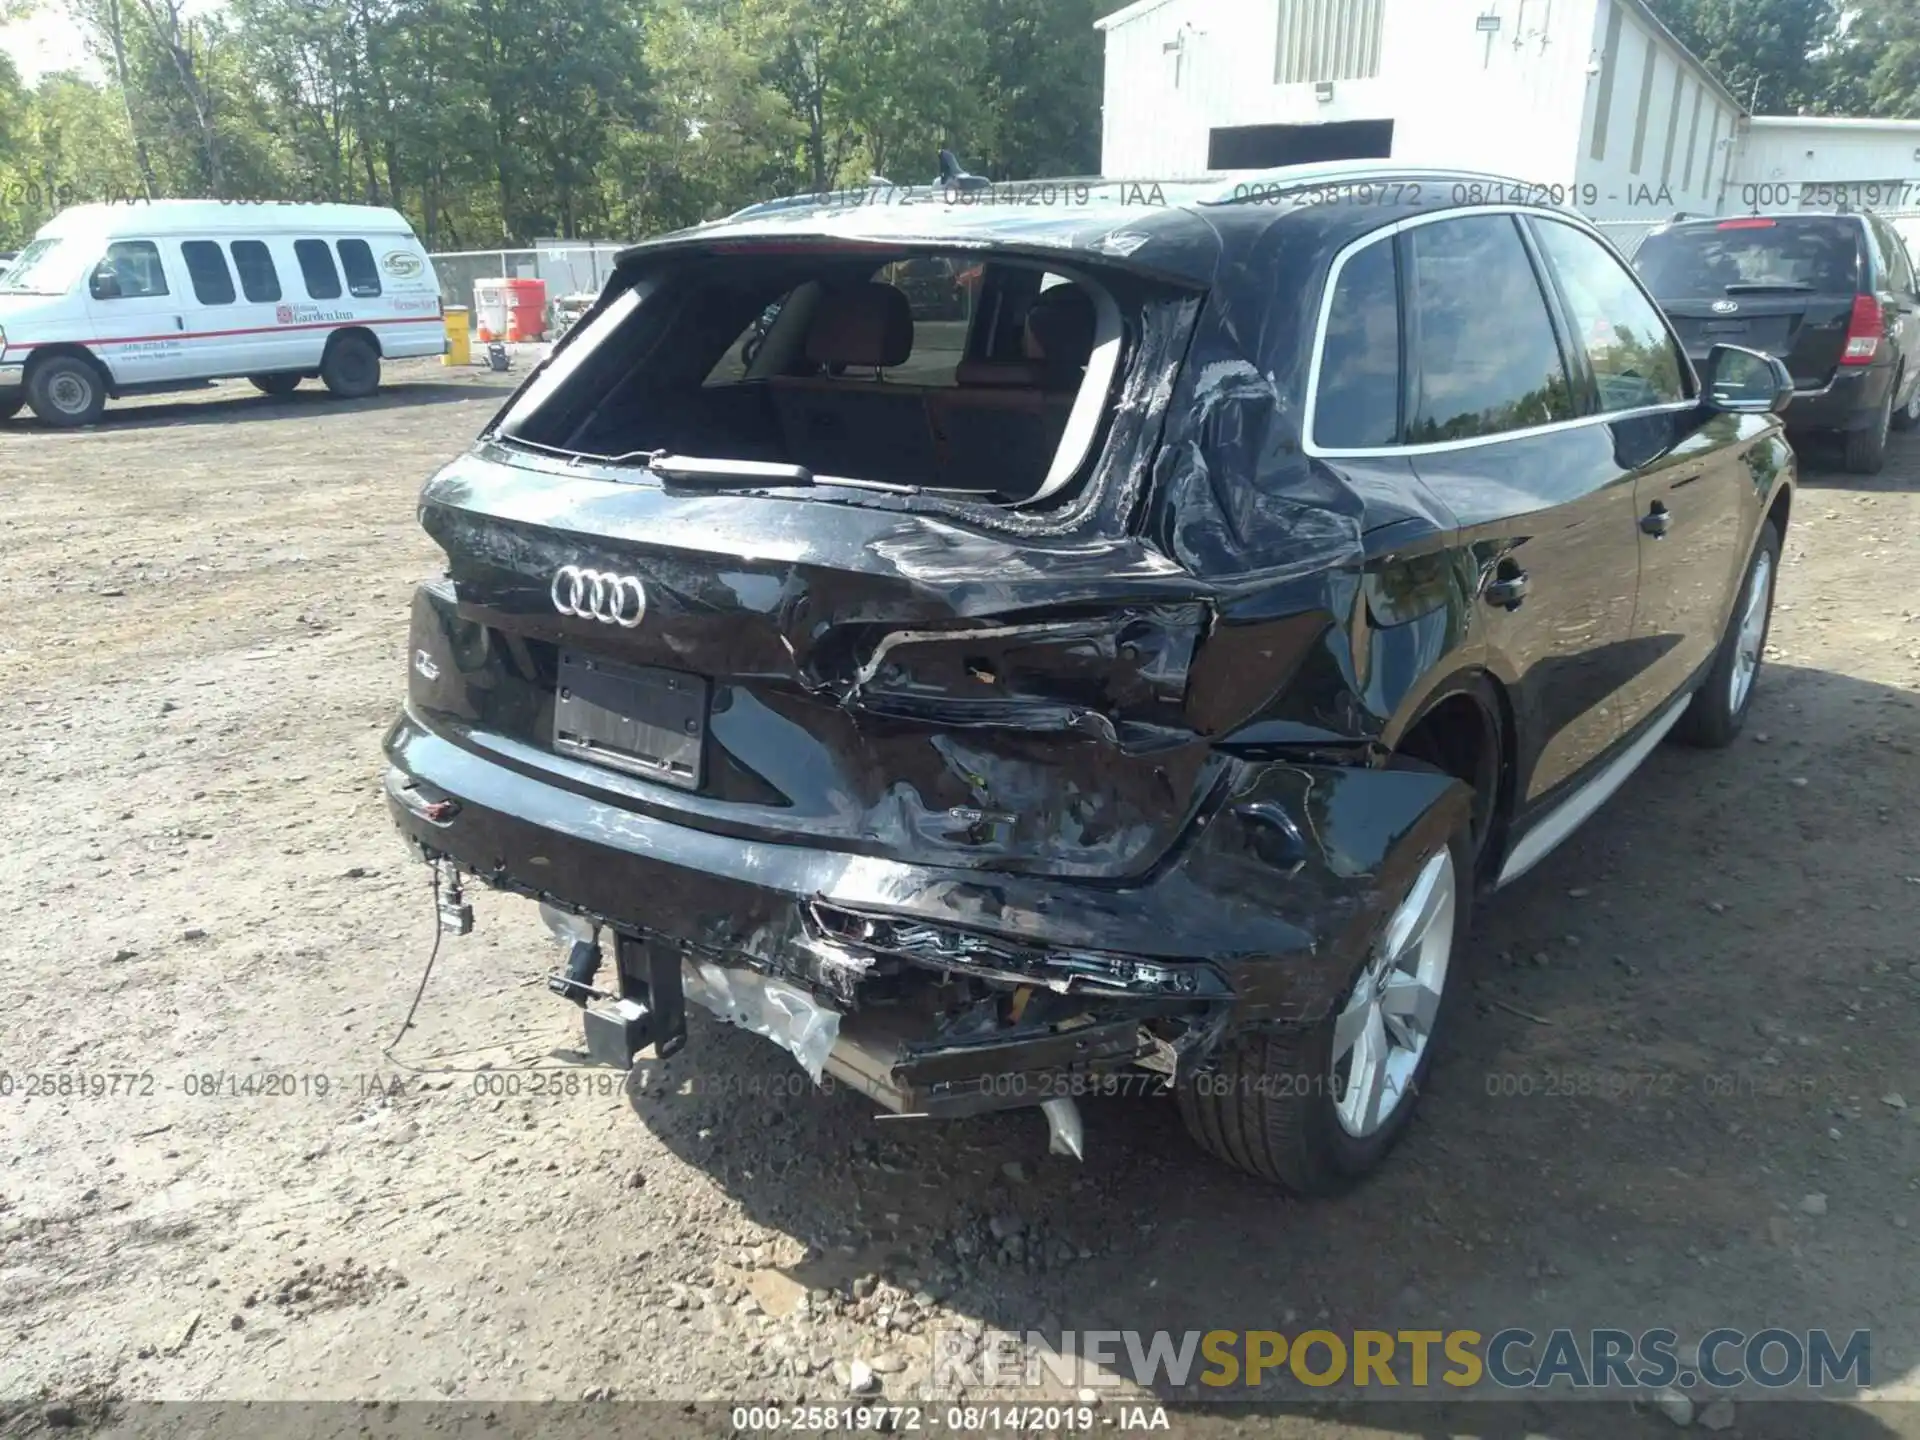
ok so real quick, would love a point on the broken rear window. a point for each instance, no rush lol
(981, 378)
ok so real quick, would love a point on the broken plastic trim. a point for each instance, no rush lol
(1077, 972)
(783, 1013)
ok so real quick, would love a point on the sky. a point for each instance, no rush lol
(46, 41)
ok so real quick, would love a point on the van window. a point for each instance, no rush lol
(363, 276)
(207, 269)
(132, 267)
(258, 279)
(316, 269)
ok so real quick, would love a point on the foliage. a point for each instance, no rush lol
(493, 122)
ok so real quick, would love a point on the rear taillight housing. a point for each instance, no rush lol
(1863, 331)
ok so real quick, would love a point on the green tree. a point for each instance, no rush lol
(1769, 53)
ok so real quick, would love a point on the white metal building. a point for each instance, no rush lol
(1595, 97)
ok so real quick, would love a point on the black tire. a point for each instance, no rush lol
(351, 367)
(9, 409)
(1907, 416)
(1713, 718)
(1268, 1102)
(1866, 452)
(66, 392)
(284, 383)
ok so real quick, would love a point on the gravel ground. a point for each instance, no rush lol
(1692, 1020)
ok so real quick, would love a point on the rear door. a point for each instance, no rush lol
(1545, 507)
(1783, 284)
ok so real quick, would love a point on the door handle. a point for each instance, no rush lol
(1656, 522)
(1508, 590)
(179, 322)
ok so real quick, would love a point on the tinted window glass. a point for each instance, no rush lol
(363, 276)
(259, 281)
(131, 267)
(1633, 357)
(1358, 402)
(316, 269)
(207, 269)
(1899, 270)
(1814, 253)
(1483, 354)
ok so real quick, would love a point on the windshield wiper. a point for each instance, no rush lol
(1755, 287)
(716, 472)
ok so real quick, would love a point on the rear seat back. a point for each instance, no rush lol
(999, 427)
(863, 426)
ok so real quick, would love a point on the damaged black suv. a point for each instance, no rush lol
(1118, 668)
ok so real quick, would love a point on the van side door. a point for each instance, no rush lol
(138, 314)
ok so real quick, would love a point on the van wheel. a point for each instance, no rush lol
(351, 368)
(66, 392)
(1317, 1108)
(281, 384)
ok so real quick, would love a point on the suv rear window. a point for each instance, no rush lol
(1815, 253)
(981, 379)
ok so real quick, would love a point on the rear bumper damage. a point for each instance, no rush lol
(945, 992)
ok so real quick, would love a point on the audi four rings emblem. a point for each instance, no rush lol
(596, 595)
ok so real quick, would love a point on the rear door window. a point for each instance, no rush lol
(317, 270)
(1814, 253)
(1635, 362)
(1357, 405)
(259, 281)
(207, 270)
(1482, 353)
(363, 276)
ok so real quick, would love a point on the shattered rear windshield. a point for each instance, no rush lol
(972, 376)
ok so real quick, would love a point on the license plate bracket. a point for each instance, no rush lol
(638, 718)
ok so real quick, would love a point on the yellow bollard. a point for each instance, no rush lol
(459, 349)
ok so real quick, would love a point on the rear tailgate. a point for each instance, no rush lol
(870, 680)
(1784, 285)
(1807, 331)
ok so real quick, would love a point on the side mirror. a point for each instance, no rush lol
(105, 284)
(1739, 381)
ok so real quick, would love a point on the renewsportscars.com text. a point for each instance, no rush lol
(1416, 1361)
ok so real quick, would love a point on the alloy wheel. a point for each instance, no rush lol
(1383, 1030)
(1752, 635)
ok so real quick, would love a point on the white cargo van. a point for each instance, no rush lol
(126, 299)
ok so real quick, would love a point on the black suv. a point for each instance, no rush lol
(1129, 689)
(1832, 295)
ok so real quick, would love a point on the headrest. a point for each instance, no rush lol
(1062, 321)
(870, 324)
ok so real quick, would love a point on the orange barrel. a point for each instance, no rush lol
(491, 305)
(526, 309)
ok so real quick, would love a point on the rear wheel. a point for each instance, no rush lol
(1719, 707)
(282, 384)
(66, 392)
(1317, 1108)
(351, 368)
(1867, 449)
(1908, 415)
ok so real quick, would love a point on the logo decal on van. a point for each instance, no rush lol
(400, 264)
(284, 315)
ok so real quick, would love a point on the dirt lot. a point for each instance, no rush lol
(1694, 1017)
